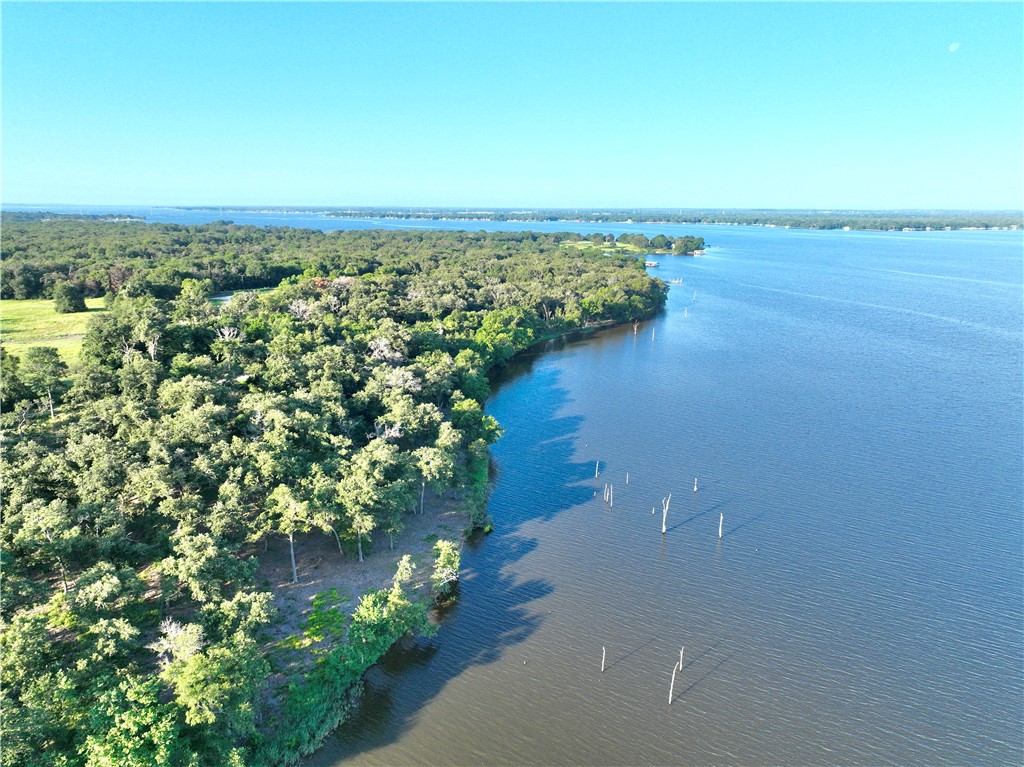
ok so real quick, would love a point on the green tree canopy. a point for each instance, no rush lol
(68, 298)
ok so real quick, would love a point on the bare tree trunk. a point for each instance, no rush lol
(49, 399)
(291, 550)
(23, 411)
(60, 565)
(63, 575)
(359, 544)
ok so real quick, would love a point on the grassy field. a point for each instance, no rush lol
(35, 323)
(625, 247)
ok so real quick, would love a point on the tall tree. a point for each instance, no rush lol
(377, 489)
(12, 389)
(49, 531)
(286, 514)
(42, 371)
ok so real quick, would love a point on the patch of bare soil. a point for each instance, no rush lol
(322, 567)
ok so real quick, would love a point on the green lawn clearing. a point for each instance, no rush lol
(34, 323)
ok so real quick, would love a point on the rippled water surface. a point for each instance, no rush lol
(850, 405)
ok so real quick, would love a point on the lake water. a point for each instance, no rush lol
(850, 404)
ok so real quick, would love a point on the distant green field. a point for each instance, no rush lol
(35, 323)
(626, 247)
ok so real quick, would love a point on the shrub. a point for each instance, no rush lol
(446, 570)
(68, 298)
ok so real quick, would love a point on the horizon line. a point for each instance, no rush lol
(482, 209)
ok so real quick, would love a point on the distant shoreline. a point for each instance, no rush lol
(658, 222)
(895, 220)
(850, 220)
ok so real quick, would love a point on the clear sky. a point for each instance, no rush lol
(804, 105)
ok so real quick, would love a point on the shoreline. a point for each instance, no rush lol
(441, 514)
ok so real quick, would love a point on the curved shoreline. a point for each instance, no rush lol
(347, 694)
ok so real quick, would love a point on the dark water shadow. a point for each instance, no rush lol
(630, 654)
(708, 673)
(739, 527)
(414, 672)
(534, 477)
(699, 514)
(705, 651)
(705, 675)
(537, 475)
(515, 547)
(407, 654)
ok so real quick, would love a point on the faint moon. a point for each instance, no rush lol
(954, 47)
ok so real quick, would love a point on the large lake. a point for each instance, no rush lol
(850, 404)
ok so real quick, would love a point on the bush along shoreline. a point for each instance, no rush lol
(328, 694)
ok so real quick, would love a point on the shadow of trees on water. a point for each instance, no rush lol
(534, 477)
(415, 671)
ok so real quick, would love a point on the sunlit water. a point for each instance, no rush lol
(851, 407)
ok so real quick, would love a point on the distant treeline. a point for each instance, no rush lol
(43, 216)
(798, 219)
(100, 255)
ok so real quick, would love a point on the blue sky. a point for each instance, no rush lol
(804, 105)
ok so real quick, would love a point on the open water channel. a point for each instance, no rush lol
(850, 404)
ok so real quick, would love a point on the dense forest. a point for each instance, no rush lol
(99, 255)
(139, 488)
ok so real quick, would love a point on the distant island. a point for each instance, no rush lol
(882, 220)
